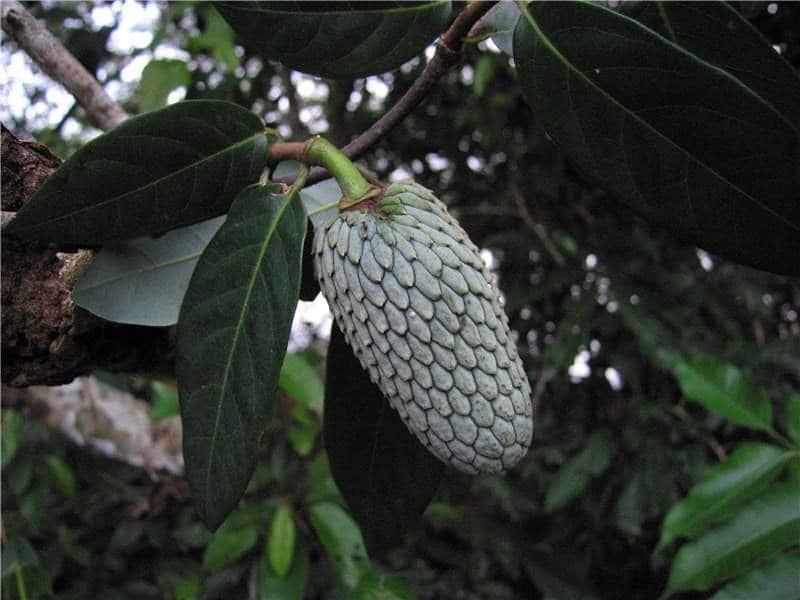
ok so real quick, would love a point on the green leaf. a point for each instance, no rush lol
(338, 40)
(375, 585)
(573, 477)
(217, 37)
(61, 475)
(231, 340)
(17, 552)
(293, 585)
(721, 387)
(165, 402)
(228, 545)
(746, 473)
(342, 540)
(758, 531)
(777, 579)
(280, 543)
(499, 24)
(384, 473)
(158, 171)
(684, 131)
(12, 427)
(143, 281)
(792, 417)
(299, 380)
(159, 78)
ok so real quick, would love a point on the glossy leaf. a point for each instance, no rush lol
(228, 544)
(747, 472)
(338, 40)
(758, 531)
(683, 131)
(158, 171)
(342, 540)
(291, 587)
(142, 281)
(778, 579)
(793, 417)
(159, 78)
(299, 380)
(232, 336)
(280, 543)
(724, 389)
(573, 477)
(385, 474)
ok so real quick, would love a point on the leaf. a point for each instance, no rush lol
(775, 580)
(758, 531)
(684, 134)
(318, 195)
(746, 473)
(159, 78)
(228, 545)
(342, 540)
(165, 402)
(290, 587)
(11, 438)
(792, 417)
(143, 281)
(573, 477)
(499, 24)
(299, 380)
(61, 475)
(217, 37)
(280, 543)
(721, 387)
(231, 340)
(338, 40)
(384, 473)
(158, 171)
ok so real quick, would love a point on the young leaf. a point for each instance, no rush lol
(747, 472)
(232, 335)
(758, 531)
(228, 544)
(686, 137)
(793, 417)
(158, 171)
(142, 281)
(573, 477)
(384, 473)
(778, 579)
(280, 543)
(293, 585)
(159, 78)
(300, 381)
(337, 40)
(724, 389)
(342, 540)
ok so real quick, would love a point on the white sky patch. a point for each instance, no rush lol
(491, 46)
(591, 261)
(706, 262)
(399, 174)
(475, 164)
(176, 95)
(488, 259)
(436, 162)
(310, 319)
(613, 378)
(132, 72)
(377, 87)
(580, 369)
(136, 25)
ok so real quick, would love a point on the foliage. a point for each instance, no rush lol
(597, 505)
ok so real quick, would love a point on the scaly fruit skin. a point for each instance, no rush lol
(410, 292)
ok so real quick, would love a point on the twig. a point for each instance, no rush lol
(55, 60)
(537, 228)
(448, 53)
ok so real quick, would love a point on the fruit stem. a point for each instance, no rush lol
(321, 152)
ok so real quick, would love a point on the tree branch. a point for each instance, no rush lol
(448, 53)
(55, 60)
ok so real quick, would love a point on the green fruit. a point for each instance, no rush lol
(410, 292)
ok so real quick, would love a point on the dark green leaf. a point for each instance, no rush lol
(228, 544)
(280, 543)
(758, 531)
(384, 473)
(724, 389)
(690, 133)
(12, 426)
(778, 579)
(143, 281)
(792, 417)
(300, 381)
(232, 335)
(747, 472)
(158, 171)
(376, 585)
(499, 25)
(290, 587)
(342, 540)
(573, 477)
(159, 78)
(29, 582)
(61, 475)
(338, 40)
(17, 552)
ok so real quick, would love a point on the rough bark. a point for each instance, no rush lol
(46, 339)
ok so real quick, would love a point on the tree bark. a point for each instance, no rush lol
(46, 338)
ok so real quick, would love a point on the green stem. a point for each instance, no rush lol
(322, 153)
(21, 590)
(300, 179)
(324, 207)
